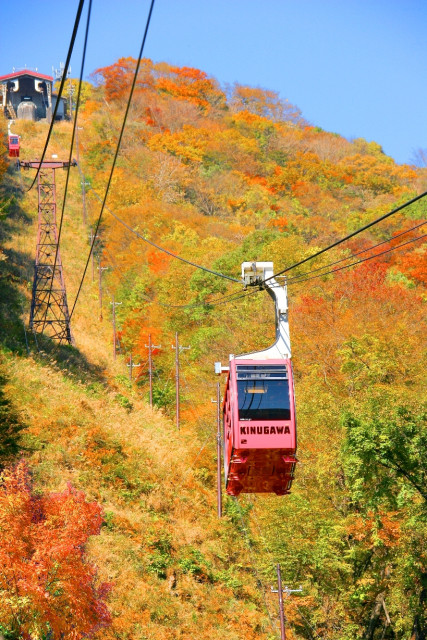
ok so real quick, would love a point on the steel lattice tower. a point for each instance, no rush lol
(49, 313)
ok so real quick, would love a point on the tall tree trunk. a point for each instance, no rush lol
(375, 617)
(419, 629)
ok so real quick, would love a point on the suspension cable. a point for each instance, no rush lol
(300, 277)
(70, 153)
(116, 152)
(216, 303)
(297, 279)
(61, 87)
(169, 253)
(191, 305)
(376, 255)
(204, 303)
(350, 235)
(353, 255)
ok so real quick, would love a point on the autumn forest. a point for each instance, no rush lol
(108, 512)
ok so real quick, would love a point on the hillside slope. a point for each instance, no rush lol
(172, 566)
(219, 179)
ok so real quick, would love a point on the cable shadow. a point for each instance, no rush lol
(14, 264)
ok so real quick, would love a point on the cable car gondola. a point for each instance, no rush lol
(259, 422)
(13, 145)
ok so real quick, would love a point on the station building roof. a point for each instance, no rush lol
(26, 72)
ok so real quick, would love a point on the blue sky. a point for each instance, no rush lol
(356, 67)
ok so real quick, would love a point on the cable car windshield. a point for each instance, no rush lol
(263, 392)
(14, 139)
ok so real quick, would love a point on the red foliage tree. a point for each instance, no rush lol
(117, 78)
(413, 263)
(158, 262)
(46, 584)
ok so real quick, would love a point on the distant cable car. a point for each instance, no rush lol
(13, 146)
(13, 143)
(259, 406)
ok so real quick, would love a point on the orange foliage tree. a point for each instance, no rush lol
(117, 78)
(263, 102)
(46, 585)
(186, 83)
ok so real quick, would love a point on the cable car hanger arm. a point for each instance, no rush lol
(261, 274)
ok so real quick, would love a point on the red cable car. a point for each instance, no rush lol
(13, 145)
(259, 407)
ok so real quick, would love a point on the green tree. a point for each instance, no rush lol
(385, 453)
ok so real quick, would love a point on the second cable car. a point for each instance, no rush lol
(13, 145)
(259, 419)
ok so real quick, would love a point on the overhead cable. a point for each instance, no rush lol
(169, 253)
(116, 152)
(70, 152)
(210, 303)
(61, 87)
(191, 305)
(376, 255)
(295, 280)
(353, 255)
(203, 303)
(350, 235)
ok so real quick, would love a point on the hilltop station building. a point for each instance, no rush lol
(28, 95)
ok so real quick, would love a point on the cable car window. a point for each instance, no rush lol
(258, 371)
(13, 139)
(263, 392)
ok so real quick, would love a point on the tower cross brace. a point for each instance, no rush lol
(49, 312)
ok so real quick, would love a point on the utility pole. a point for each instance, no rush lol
(58, 73)
(71, 92)
(281, 608)
(280, 591)
(77, 143)
(91, 238)
(115, 304)
(131, 366)
(218, 449)
(83, 183)
(100, 269)
(177, 348)
(150, 346)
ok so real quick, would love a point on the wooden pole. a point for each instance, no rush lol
(84, 200)
(281, 608)
(281, 605)
(150, 368)
(71, 91)
(114, 328)
(83, 183)
(177, 348)
(177, 379)
(93, 261)
(100, 289)
(77, 144)
(115, 304)
(100, 269)
(150, 346)
(218, 449)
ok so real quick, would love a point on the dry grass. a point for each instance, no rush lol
(162, 547)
